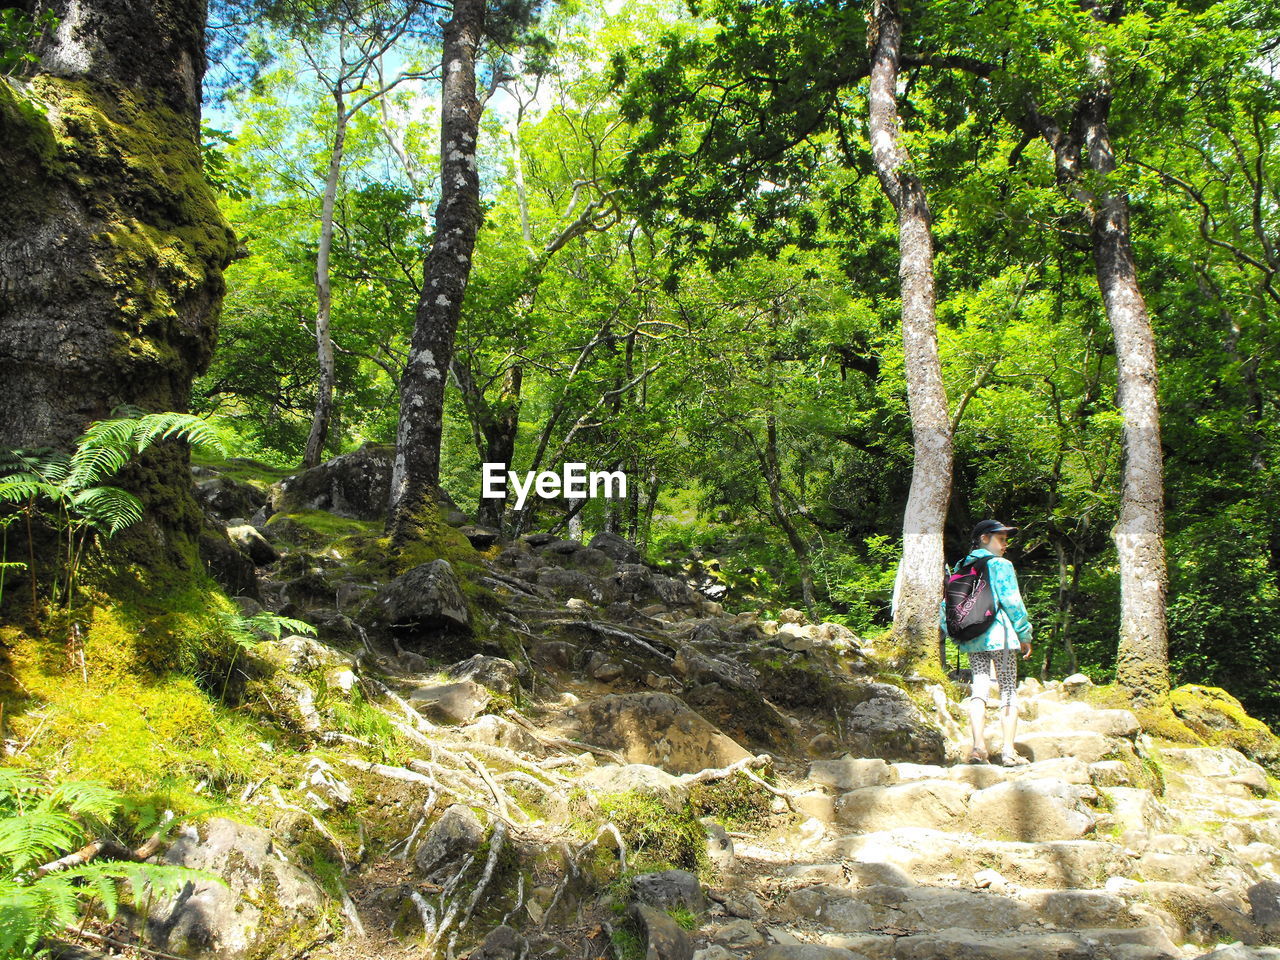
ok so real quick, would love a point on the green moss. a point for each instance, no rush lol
(1221, 721)
(656, 838)
(737, 802)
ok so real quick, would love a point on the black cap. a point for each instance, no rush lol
(984, 527)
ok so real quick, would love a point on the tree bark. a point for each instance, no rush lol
(416, 471)
(324, 296)
(915, 622)
(1142, 657)
(111, 243)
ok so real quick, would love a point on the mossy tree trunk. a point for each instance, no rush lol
(111, 243)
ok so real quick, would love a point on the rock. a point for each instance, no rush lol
(250, 541)
(1201, 915)
(562, 547)
(664, 940)
(833, 907)
(1110, 773)
(805, 951)
(266, 900)
(849, 773)
(482, 538)
(231, 568)
(570, 584)
(668, 889)
(713, 952)
(539, 539)
(936, 804)
(719, 846)
(1085, 747)
(457, 834)
(1082, 718)
(673, 592)
(501, 732)
(323, 784)
(792, 615)
(616, 548)
(1076, 685)
(1221, 719)
(501, 943)
(1218, 763)
(458, 702)
(355, 485)
(223, 499)
(886, 723)
(1031, 810)
(636, 778)
(426, 597)
(1264, 899)
(698, 667)
(737, 934)
(495, 673)
(654, 728)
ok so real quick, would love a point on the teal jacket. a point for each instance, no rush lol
(1012, 626)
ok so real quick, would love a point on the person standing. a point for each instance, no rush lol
(993, 653)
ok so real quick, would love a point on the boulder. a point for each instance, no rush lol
(806, 951)
(457, 702)
(223, 499)
(428, 596)
(455, 836)
(663, 938)
(355, 485)
(1082, 718)
(832, 906)
(501, 943)
(1221, 719)
(265, 900)
(668, 889)
(886, 723)
(1218, 763)
(654, 728)
(616, 548)
(231, 568)
(495, 673)
(250, 541)
(501, 732)
(1264, 902)
(1085, 747)
(482, 538)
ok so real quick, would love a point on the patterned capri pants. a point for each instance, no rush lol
(998, 665)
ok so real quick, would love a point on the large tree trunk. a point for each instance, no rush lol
(324, 294)
(1142, 659)
(111, 243)
(915, 621)
(416, 472)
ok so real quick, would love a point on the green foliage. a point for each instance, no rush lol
(19, 32)
(738, 802)
(39, 822)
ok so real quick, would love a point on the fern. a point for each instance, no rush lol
(39, 823)
(70, 492)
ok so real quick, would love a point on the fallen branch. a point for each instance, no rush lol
(739, 766)
(99, 938)
(496, 843)
(109, 849)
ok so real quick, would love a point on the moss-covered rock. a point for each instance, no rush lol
(1220, 720)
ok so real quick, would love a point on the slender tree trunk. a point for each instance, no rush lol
(916, 620)
(324, 296)
(111, 244)
(773, 482)
(500, 426)
(416, 471)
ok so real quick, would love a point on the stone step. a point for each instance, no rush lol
(928, 855)
(1025, 808)
(956, 943)
(923, 908)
